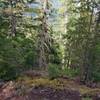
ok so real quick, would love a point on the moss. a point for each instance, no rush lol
(87, 98)
(58, 84)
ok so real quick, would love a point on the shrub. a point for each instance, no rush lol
(96, 76)
(53, 71)
(70, 72)
(16, 55)
(8, 72)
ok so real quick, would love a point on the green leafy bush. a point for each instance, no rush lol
(16, 55)
(70, 72)
(96, 63)
(96, 76)
(8, 73)
(56, 71)
(53, 71)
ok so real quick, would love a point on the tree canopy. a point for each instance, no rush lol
(50, 35)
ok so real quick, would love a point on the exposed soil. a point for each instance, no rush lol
(35, 87)
(52, 94)
(38, 93)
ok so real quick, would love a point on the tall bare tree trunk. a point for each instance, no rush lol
(13, 21)
(43, 37)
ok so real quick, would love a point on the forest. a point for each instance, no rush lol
(49, 49)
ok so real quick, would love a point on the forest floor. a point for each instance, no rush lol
(37, 87)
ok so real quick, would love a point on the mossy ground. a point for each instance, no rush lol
(59, 83)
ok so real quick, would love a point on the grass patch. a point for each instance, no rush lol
(87, 98)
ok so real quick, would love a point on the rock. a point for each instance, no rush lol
(9, 92)
(53, 94)
(97, 97)
(98, 85)
(35, 73)
(1, 83)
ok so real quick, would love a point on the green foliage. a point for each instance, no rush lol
(53, 71)
(10, 58)
(16, 55)
(56, 71)
(96, 63)
(70, 72)
(7, 72)
(87, 98)
(75, 43)
(55, 54)
(96, 76)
